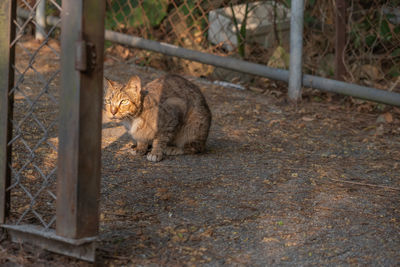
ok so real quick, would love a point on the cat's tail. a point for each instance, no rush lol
(194, 147)
(173, 151)
(196, 130)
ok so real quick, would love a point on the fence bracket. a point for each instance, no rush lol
(86, 56)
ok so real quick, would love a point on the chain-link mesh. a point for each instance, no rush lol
(34, 139)
(245, 29)
(372, 51)
(258, 31)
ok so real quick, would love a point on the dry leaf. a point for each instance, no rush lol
(269, 239)
(290, 244)
(372, 72)
(333, 107)
(379, 130)
(119, 212)
(388, 117)
(279, 59)
(256, 89)
(252, 130)
(305, 118)
(272, 122)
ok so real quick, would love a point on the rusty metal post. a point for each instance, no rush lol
(79, 159)
(7, 57)
(340, 40)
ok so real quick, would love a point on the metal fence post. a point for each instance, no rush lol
(40, 20)
(296, 49)
(7, 57)
(340, 40)
(78, 184)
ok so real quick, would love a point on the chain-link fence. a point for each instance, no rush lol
(372, 51)
(250, 30)
(258, 31)
(34, 141)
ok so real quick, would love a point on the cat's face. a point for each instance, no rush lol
(122, 101)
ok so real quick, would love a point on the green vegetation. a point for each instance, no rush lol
(130, 14)
(375, 32)
(241, 33)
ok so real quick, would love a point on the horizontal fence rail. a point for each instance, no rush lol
(324, 84)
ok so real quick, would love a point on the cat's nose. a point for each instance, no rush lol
(114, 110)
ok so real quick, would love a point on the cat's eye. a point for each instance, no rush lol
(107, 101)
(124, 102)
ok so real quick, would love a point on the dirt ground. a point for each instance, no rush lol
(280, 184)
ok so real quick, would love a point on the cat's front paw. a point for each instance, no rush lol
(154, 157)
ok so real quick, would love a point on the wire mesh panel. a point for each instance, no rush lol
(250, 30)
(34, 124)
(372, 53)
(373, 48)
(258, 32)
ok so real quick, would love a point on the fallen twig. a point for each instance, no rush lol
(110, 256)
(365, 184)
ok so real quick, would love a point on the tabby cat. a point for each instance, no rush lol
(169, 113)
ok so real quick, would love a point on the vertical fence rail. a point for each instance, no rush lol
(78, 184)
(340, 40)
(296, 50)
(7, 55)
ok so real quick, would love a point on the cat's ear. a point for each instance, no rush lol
(133, 87)
(107, 84)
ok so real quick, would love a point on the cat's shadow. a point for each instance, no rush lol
(216, 144)
(111, 129)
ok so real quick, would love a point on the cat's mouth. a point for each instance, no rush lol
(114, 118)
(118, 118)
